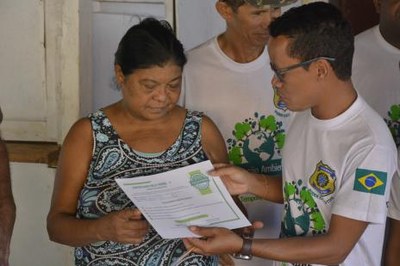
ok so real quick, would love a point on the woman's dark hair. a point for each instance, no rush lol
(315, 30)
(149, 43)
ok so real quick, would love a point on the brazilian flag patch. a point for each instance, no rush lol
(370, 181)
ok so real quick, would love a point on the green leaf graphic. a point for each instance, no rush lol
(268, 123)
(234, 156)
(241, 130)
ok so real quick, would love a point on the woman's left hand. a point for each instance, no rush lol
(125, 226)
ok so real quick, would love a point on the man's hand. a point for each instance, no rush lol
(214, 240)
(237, 180)
(248, 232)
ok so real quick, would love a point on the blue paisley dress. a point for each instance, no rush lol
(113, 158)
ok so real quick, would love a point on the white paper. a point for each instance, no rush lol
(173, 200)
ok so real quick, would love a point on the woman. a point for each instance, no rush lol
(143, 133)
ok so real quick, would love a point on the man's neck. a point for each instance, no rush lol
(237, 50)
(336, 100)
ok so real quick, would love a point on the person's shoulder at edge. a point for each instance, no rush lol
(377, 125)
(365, 42)
(196, 57)
(199, 48)
(366, 33)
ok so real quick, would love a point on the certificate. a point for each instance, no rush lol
(173, 200)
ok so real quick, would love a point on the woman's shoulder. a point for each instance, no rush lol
(200, 115)
(194, 113)
(97, 114)
(80, 126)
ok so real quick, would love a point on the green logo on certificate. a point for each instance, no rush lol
(200, 181)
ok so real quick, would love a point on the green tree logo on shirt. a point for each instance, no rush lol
(302, 216)
(257, 144)
(394, 123)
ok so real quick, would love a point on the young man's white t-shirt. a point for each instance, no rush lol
(376, 76)
(340, 166)
(240, 99)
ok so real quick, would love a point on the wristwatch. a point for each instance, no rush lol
(245, 252)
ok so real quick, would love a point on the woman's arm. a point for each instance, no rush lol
(62, 225)
(213, 142)
(392, 251)
(7, 205)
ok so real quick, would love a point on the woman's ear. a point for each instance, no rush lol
(119, 76)
(224, 10)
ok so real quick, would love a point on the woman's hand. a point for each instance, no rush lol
(126, 226)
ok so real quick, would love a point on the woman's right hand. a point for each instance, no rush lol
(126, 226)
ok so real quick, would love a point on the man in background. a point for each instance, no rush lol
(376, 64)
(7, 205)
(376, 75)
(229, 78)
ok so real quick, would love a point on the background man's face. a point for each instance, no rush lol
(251, 23)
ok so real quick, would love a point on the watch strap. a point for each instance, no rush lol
(246, 247)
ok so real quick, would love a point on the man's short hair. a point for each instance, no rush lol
(234, 4)
(315, 30)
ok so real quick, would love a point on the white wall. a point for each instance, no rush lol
(30, 245)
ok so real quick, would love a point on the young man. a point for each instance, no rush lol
(338, 159)
(228, 77)
(7, 205)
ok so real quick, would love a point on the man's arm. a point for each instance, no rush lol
(7, 206)
(330, 248)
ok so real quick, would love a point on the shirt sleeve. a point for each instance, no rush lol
(364, 191)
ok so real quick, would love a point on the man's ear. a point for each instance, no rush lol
(224, 10)
(377, 4)
(323, 67)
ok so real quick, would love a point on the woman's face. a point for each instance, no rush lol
(150, 93)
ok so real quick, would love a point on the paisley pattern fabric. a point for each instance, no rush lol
(113, 158)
